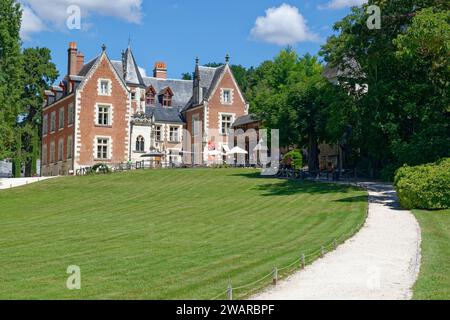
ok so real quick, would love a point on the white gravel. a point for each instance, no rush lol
(381, 261)
(6, 183)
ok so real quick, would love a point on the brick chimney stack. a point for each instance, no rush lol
(80, 61)
(160, 70)
(72, 59)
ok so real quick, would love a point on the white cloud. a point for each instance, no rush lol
(339, 4)
(282, 25)
(30, 23)
(53, 13)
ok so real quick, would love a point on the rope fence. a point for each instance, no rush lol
(300, 263)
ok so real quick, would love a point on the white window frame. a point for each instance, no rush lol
(175, 138)
(230, 96)
(53, 122)
(69, 147)
(45, 125)
(44, 154)
(61, 117)
(52, 152)
(110, 114)
(221, 115)
(138, 145)
(108, 148)
(159, 128)
(60, 149)
(100, 90)
(70, 115)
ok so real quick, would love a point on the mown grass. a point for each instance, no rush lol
(163, 234)
(434, 278)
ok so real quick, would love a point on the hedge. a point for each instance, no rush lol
(424, 187)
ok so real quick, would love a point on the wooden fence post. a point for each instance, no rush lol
(303, 261)
(335, 244)
(230, 292)
(322, 252)
(275, 276)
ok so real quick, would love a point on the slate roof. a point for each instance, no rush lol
(131, 73)
(182, 89)
(209, 77)
(165, 114)
(243, 120)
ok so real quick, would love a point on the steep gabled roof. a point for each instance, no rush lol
(209, 77)
(131, 73)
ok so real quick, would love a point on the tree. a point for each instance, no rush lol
(38, 75)
(10, 72)
(186, 76)
(291, 94)
(399, 100)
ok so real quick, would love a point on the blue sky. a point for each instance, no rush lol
(176, 31)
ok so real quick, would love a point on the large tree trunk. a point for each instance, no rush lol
(313, 154)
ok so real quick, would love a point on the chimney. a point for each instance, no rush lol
(72, 59)
(80, 62)
(160, 70)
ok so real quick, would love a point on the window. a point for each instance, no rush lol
(60, 149)
(226, 96)
(69, 147)
(227, 121)
(104, 87)
(52, 152)
(102, 148)
(158, 133)
(150, 95)
(150, 98)
(103, 117)
(196, 125)
(70, 115)
(167, 100)
(133, 96)
(53, 121)
(140, 144)
(44, 154)
(61, 118)
(173, 134)
(45, 125)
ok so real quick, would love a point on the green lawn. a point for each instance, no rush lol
(434, 278)
(164, 234)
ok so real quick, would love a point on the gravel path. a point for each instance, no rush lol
(381, 261)
(6, 183)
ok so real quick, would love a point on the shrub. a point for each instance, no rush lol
(424, 187)
(99, 168)
(293, 158)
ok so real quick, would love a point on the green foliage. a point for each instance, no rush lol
(99, 168)
(294, 158)
(404, 116)
(425, 186)
(39, 73)
(10, 72)
(186, 76)
(434, 278)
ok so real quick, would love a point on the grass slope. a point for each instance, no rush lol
(164, 234)
(434, 277)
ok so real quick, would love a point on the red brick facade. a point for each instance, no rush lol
(88, 129)
(107, 118)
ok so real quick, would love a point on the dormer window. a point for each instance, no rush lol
(166, 97)
(150, 96)
(167, 100)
